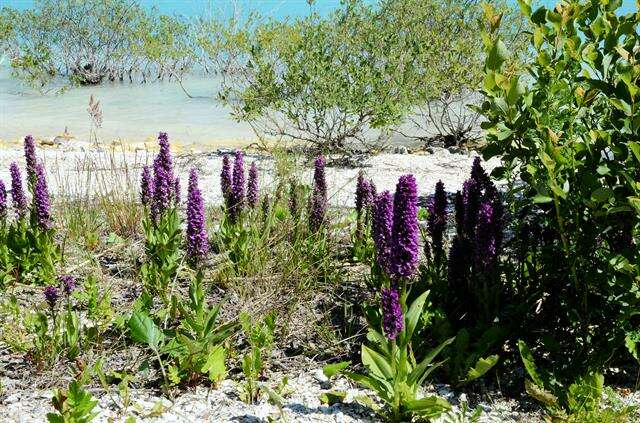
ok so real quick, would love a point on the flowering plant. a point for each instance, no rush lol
(29, 249)
(393, 371)
(363, 248)
(161, 223)
(467, 289)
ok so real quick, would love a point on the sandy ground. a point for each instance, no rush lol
(77, 169)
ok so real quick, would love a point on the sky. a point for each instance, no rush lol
(274, 8)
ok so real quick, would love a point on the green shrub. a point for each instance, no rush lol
(566, 129)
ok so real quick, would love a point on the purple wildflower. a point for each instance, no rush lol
(372, 192)
(459, 212)
(363, 200)
(146, 186)
(237, 193)
(176, 191)
(392, 318)
(51, 295)
(252, 186)
(363, 193)
(225, 179)
(197, 243)
(491, 195)
(17, 193)
(437, 220)
(484, 254)
(163, 180)
(382, 212)
(3, 201)
(471, 201)
(318, 206)
(42, 207)
(266, 206)
(30, 157)
(68, 283)
(404, 233)
(479, 175)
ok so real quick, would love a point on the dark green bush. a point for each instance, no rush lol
(566, 128)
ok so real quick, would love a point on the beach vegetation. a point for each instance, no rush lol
(524, 278)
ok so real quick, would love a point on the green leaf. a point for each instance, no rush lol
(538, 199)
(376, 363)
(635, 203)
(497, 55)
(214, 366)
(529, 363)
(413, 315)
(483, 365)
(330, 370)
(525, 7)
(621, 105)
(380, 340)
(635, 148)
(602, 194)
(144, 330)
(332, 397)
(383, 389)
(631, 342)
(516, 89)
(429, 407)
(417, 374)
(274, 397)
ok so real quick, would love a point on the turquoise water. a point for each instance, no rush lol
(131, 112)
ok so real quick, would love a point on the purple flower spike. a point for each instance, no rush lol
(225, 179)
(17, 193)
(252, 186)
(437, 221)
(363, 191)
(42, 207)
(392, 318)
(404, 234)
(237, 194)
(485, 239)
(3, 201)
(266, 206)
(163, 180)
(51, 295)
(471, 202)
(30, 157)
(318, 206)
(197, 242)
(373, 191)
(479, 175)
(176, 191)
(68, 283)
(491, 195)
(381, 229)
(146, 186)
(459, 210)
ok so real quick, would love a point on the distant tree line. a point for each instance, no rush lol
(341, 82)
(93, 41)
